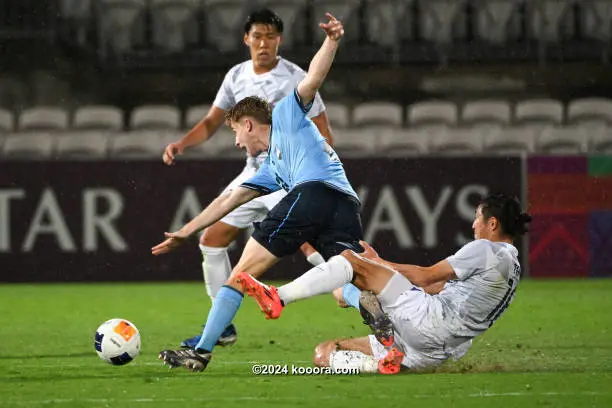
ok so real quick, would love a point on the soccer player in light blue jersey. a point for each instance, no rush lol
(320, 207)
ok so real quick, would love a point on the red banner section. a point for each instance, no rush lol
(96, 221)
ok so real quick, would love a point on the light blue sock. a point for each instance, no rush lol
(224, 308)
(350, 293)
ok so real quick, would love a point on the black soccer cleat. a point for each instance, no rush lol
(375, 317)
(190, 359)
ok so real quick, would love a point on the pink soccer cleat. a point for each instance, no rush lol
(266, 296)
(391, 363)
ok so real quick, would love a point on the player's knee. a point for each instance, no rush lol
(219, 235)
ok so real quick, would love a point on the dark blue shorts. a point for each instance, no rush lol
(312, 212)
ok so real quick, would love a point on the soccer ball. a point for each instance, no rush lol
(117, 341)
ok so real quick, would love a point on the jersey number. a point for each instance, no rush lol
(503, 304)
(281, 183)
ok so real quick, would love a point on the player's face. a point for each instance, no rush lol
(263, 41)
(245, 138)
(479, 226)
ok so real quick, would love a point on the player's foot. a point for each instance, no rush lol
(376, 318)
(227, 338)
(391, 363)
(266, 296)
(190, 359)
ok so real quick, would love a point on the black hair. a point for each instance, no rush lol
(507, 211)
(263, 16)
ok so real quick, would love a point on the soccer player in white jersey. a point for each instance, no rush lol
(422, 316)
(271, 77)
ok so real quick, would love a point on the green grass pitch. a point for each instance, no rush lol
(552, 348)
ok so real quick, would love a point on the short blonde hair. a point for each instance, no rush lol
(254, 106)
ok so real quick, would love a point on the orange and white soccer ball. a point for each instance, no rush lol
(117, 341)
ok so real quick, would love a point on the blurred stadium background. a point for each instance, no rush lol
(433, 103)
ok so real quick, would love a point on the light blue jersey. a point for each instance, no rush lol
(298, 153)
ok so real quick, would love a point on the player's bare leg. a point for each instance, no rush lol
(356, 353)
(216, 268)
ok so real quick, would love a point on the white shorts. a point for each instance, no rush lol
(419, 329)
(255, 210)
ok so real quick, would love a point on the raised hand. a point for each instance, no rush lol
(173, 240)
(333, 28)
(170, 152)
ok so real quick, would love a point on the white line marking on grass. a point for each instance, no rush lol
(296, 398)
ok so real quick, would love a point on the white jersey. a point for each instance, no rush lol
(242, 81)
(488, 274)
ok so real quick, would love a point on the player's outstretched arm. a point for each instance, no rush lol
(217, 209)
(200, 133)
(321, 62)
(431, 278)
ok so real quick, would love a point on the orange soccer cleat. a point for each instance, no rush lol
(391, 363)
(266, 296)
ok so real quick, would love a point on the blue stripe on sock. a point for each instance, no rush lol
(285, 219)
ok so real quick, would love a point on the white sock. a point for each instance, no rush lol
(216, 267)
(350, 359)
(321, 279)
(315, 259)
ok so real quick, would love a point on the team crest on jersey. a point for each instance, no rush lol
(279, 155)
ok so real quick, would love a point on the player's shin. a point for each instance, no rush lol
(321, 279)
(349, 359)
(216, 268)
(224, 308)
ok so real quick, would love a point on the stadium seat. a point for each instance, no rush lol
(403, 142)
(337, 114)
(596, 18)
(377, 114)
(436, 113)
(195, 114)
(345, 10)
(486, 112)
(43, 118)
(121, 25)
(384, 19)
(88, 145)
(224, 23)
(155, 117)
(293, 14)
(221, 145)
(174, 24)
(143, 144)
(550, 20)
(511, 141)
(98, 117)
(598, 110)
(7, 121)
(569, 140)
(456, 141)
(497, 21)
(601, 142)
(29, 146)
(539, 111)
(442, 21)
(357, 142)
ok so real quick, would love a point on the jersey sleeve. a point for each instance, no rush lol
(470, 259)
(318, 107)
(289, 112)
(225, 98)
(263, 181)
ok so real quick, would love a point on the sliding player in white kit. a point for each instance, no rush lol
(421, 316)
(270, 77)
